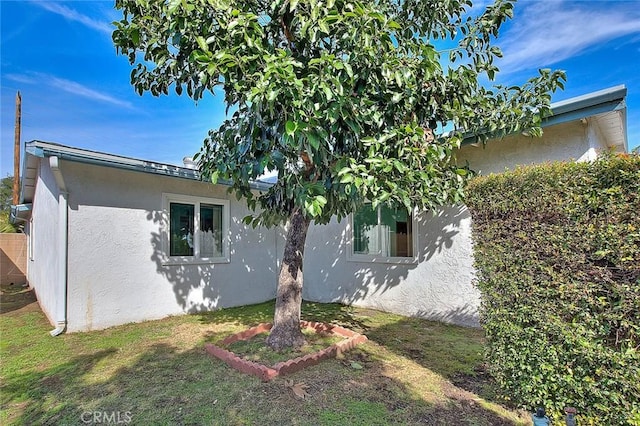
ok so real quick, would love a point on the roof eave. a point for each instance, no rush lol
(585, 106)
(40, 149)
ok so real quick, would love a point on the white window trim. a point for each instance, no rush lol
(195, 259)
(376, 258)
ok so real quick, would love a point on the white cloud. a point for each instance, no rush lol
(86, 92)
(74, 15)
(545, 32)
(21, 78)
(68, 86)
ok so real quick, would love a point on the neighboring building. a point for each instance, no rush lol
(115, 240)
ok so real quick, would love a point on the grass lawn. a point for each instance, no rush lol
(411, 371)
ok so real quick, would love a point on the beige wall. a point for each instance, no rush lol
(568, 141)
(13, 258)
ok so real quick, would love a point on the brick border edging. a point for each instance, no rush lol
(352, 339)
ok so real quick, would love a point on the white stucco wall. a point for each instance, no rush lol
(566, 141)
(116, 258)
(438, 286)
(43, 265)
(117, 271)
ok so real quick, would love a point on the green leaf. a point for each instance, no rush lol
(346, 179)
(348, 69)
(323, 26)
(344, 170)
(173, 6)
(290, 127)
(313, 139)
(202, 43)
(214, 177)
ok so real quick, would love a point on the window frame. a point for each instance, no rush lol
(352, 256)
(196, 201)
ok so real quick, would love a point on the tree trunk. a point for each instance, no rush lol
(286, 321)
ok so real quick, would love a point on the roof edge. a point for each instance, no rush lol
(583, 106)
(43, 149)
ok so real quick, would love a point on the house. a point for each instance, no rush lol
(113, 239)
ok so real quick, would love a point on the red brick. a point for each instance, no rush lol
(266, 373)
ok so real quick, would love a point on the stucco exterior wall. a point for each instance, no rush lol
(566, 141)
(43, 260)
(117, 271)
(440, 285)
(437, 286)
(117, 263)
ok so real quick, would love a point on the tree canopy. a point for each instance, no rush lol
(347, 100)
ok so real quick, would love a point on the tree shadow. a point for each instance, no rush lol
(418, 287)
(452, 351)
(165, 384)
(422, 287)
(251, 315)
(185, 279)
(15, 297)
(248, 278)
(38, 388)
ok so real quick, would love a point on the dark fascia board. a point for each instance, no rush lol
(585, 106)
(49, 149)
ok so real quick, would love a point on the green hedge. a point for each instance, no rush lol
(557, 249)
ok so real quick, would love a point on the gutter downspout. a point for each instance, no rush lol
(61, 279)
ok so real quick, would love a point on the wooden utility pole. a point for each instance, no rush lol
(16, 151)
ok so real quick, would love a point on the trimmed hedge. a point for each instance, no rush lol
(557, 250)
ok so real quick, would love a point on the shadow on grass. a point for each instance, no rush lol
(166, 384)
(332, 313)
(454, 352)
(33, 391)
(163, 386)
(14, 297)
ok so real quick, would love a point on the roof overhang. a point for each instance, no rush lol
(36, 150)
(606, 108)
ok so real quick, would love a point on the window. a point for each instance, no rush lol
(197, 230)
(382, 233)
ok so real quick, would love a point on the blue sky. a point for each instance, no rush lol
(76, 91)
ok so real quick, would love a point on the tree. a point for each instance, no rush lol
(349, 101)
(6, 193)
(6, 199)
